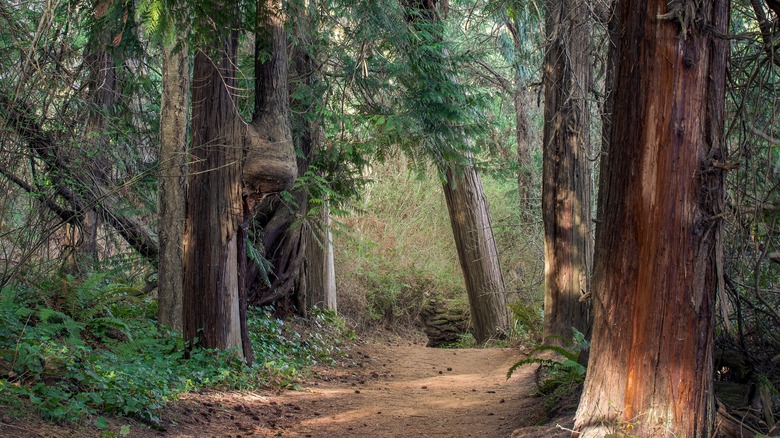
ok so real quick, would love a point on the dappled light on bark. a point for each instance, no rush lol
(566, 180)
(657, 261)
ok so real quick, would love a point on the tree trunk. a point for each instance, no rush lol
(269, 162)
(234, 164)
(319, 270)
(610, 19)
(290, 245)
(656, 265)
(525, 172)
(330, 300)
(477, 253)
(101, 92)
(172, 182)
(214, 204)
(566, 170)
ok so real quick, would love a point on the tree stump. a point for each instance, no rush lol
(444, 321)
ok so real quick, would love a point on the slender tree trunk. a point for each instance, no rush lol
(656, 263)
(214, 204)
(521, 101)
(466, 202)
(566, 169)
(330, 299)
(172, 182)
(102, 85)
(524, 173)
(477, 253)
(610, 19)
(101, 88)
(319, 283)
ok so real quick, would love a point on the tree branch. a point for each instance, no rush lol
(23, 121)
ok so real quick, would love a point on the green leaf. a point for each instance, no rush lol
(101, 423)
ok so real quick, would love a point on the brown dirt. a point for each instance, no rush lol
(377, 391)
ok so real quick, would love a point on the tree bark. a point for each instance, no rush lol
(610, 19)
(214, 203)
(566, 170)
(656, 264)
(319, 274)
(477, 253)
(172, 179)
(234, 164)
(524, 172)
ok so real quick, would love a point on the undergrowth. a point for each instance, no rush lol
(560, 376)
(80, 349)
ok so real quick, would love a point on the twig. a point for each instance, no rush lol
(19, 428)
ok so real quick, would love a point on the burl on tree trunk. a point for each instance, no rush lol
(234, 162)
(658, 260)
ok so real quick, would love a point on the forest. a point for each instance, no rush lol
(390, 218)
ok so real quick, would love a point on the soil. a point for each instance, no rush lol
(404, 389)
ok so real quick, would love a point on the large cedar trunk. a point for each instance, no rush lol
(234, 163)
(284, 233)
(566, 169)
(172, 182)
(657, 260)
(477, 253)
(214, 204)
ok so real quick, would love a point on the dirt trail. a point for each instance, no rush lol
(379, 391)
(404, 390)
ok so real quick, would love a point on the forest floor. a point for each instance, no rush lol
(401, 389)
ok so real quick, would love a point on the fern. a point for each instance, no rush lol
(266, 268)
(568, 365)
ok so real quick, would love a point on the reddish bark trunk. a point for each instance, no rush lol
(656, 263)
